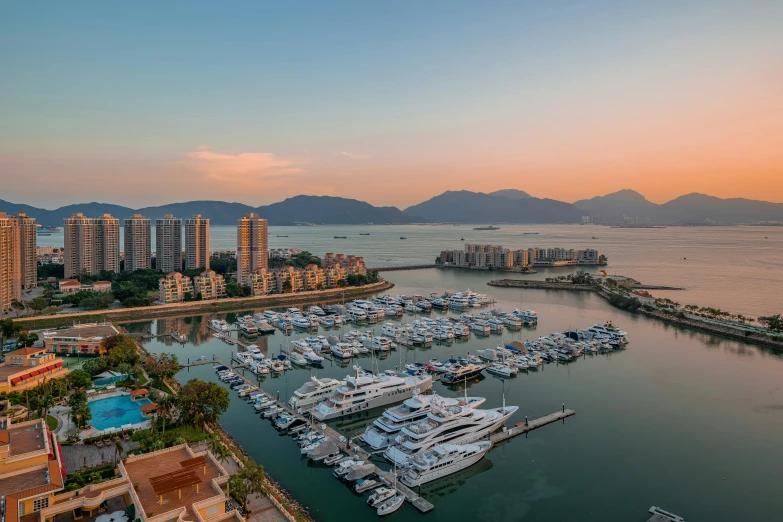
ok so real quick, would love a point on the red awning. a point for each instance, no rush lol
(25, 376)
(85, 346)
(84, 350)
(15, 380)
(58, 364)
(34, 373)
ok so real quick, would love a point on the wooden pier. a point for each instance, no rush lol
(524, 427)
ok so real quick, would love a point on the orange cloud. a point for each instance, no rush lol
(253, 165)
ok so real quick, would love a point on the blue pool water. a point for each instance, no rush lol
(115, 412)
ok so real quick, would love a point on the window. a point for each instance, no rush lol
(213, 510)
(40, 503)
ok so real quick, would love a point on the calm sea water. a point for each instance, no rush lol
(733, 268)
(679, 419)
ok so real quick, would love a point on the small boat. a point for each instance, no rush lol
(341, 237)
(333, 459)
(391, 505)
(403, 238)
(364, 233)
(363, 485)
(296, 358)
(380, 495)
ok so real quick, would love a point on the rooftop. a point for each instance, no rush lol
(27, 351)
(146, 470)
(24, 438)
(85, 331)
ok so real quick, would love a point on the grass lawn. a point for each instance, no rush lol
(51, 422)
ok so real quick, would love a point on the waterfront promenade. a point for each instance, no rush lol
(206, 306)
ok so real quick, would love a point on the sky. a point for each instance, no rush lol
(144, 103)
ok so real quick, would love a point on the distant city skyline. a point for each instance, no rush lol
(389, 103)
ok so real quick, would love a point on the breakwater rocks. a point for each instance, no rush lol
(543, 285)
(568, 285)
(215, 305)
(725, 331)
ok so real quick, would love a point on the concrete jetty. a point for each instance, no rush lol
(524, 427)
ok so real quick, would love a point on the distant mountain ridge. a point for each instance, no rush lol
(310, 209)
(460, 206)
(463, 206)
(689, 208)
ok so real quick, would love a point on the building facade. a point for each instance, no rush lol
(252, 246)
(8, 276)
(288, 279)
(107, 243)
(262, 282)
(197, 242)
(25, 241)
(495, 256)
(210, 285)
(81, 339)
(31, 470)
(168, 244)
(79, 247)
(28, 367)
(173, 287)
(138, 243)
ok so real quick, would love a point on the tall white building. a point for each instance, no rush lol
(107, 243)
(252, 246)
(197, 242)
(138, 243)
(168, 244)
(79, 247)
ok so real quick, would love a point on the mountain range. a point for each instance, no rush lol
(461, 206)
(689, 208)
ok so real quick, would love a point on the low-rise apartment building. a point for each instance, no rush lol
(81, 339)
(72, 286)
(31, 470)
(495, 256)
(262, 282)
(174, 287)
(173, 484)
(351, 263)
(28, 367)
(289, 279)
(210, 285)
(313, 277)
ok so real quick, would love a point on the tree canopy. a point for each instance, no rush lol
(203, 401)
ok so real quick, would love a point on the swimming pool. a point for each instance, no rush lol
(115, 412)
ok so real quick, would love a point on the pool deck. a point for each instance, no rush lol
(93, 432)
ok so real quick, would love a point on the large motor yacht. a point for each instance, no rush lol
(364, 391)
(386, 427)
(312, 392)
(443, 460)
(452, 424)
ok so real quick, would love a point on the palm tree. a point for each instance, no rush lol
(118, 449)
(125, 369)
(165, 404)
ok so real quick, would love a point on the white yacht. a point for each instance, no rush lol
(219, 325)
(390, 329)
(342, 350)
(385, 427)
(458, 300)
(301, 321)
(452, 424)
(356, 314)
(312, 392)
(364, 391)
(317, 310)
(443, 460)
(527, 316)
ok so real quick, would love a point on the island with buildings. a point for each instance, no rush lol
(479, 256)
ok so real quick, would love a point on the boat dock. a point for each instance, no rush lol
(659, 515)
(524, 427)
(354, 451)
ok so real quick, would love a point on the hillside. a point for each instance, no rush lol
(475, 207)
(511, 194)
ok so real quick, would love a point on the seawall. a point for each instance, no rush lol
(214, 305)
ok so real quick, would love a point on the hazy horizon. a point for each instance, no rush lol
(390, 103)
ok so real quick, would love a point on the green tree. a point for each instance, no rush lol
(772, 322)
(79, 379)
(248, 481)
(18, 306)
(121, 348)
(233, 289)
(8, 329)
(203, 401)
(38, 304)
(287, 286)
(118, 450)
(163, 366)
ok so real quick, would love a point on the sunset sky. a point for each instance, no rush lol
(143, 103)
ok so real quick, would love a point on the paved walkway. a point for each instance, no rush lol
(261, 508)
